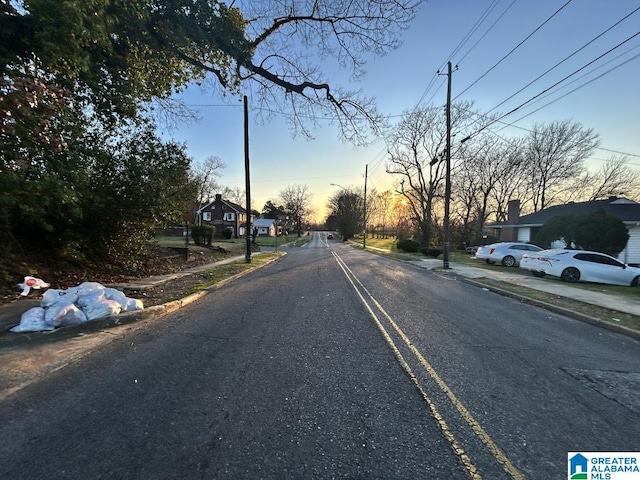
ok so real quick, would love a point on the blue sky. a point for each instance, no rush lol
(609, 104)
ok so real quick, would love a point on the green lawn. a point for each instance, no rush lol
(233, 245)
(272, 241)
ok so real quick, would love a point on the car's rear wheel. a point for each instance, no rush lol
(570, 275)
(508, 261)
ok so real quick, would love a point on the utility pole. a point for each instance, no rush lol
(364, 237)
(247, 182)
(447, 185)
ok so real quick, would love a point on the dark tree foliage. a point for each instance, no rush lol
(602, 233)
(142, 183)
(347, 210)
(272, 211)
(595, 231)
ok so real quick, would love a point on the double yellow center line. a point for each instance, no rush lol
(369, 302)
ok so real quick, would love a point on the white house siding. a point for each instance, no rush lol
(631, 253)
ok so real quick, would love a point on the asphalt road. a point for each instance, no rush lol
(333, 363)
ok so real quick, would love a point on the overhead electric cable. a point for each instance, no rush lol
(462, 42)
(578, 87)
(552, 86)
(470, 33)
(514, 49)
(487, 32)
(564, 60)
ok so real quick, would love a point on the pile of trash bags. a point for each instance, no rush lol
(86, 302)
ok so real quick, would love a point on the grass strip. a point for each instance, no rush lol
(607, 315)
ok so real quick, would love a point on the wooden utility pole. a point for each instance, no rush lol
(447, 185)
(364, 237)
(247, 182)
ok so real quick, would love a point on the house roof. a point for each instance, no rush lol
(263, 222)
(233, 206)
(626, 210)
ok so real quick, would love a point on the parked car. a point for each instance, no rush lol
(330, 236)
(471, 250)
(581, 266)
(507, 253)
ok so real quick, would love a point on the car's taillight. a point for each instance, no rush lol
(491, 251)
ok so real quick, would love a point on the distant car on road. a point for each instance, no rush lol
(581, 266)
(330, 236)
(506, 253)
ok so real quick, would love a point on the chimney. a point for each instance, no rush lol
(218, 197)
(513, 211)
(510, 234)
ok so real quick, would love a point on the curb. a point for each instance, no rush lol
(556, 309)
(635, 334)
(9, 340)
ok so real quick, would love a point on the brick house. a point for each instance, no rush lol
(224, 214)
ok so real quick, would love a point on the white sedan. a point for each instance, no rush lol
(580, 266)
(507, 253)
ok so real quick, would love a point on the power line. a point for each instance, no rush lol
(554, 85)
(514, 48)
(528, 130)
(462, 42)
(470, 33)
(487, 32)
(564, 60)
(579, 87)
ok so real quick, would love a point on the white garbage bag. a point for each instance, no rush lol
(127, 304)
(63, 308)
(87, 287)
(133, 304)
(64, 315)
(32, 321)
(53, 296)
(101, 309)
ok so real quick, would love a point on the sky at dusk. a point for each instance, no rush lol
(601, 91)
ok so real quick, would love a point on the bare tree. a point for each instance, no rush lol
(206, 175)
(281, 45)
(556, 153)
(416, 151)
(615, 178)
(414, 147)
(234, 194)
(297, 202)
(381, 212)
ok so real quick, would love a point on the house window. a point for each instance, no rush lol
(206, 216)
(229, 217)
